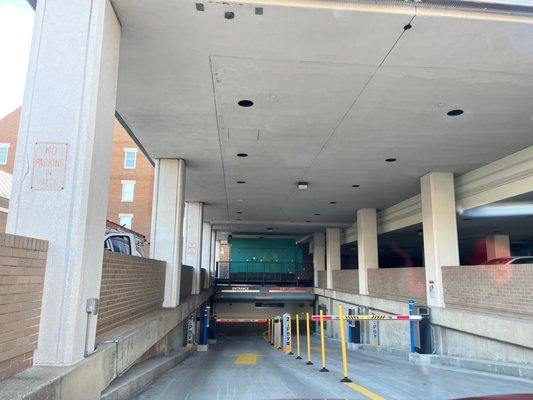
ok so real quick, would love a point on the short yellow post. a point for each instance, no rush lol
(343, 346)
(309, 362)
(322, 345)
(298, 357)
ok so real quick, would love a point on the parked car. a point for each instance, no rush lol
(509, 260)
(124, 243)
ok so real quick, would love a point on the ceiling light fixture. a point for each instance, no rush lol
(258, 10)
(270, 229)
(199, 7)
(242, 155)
(229, 15)
(303, 186)
(317, 214)
(241, 182)
(390, 159)
(406, 27)
(245, 103)
(455, 113)
(355, 186)
(239, 212)
(240, 200)
(332, 202)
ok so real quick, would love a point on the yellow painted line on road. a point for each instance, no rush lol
(247, 358)
(364, 391)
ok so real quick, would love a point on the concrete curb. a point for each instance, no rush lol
(500, 368)
(143, 374)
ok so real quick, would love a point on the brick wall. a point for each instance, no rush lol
(22, 266)
(498, 289)
(398, 283)
(346, 280)
(322, 279)
(131, 286)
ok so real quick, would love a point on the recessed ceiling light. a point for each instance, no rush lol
(245, 103)
(332, 202)
(355, 186)
(390, 159)
(406, 27)
(239, 212)
(242, 155)
(455, 113)
(303, 186)
(240, 200)
(241, 182)
(317, 214)
(307, 221)
(270, 229)
(239, 219)
(199, 7)
(258, 10)
(229, 15)
(261, 237)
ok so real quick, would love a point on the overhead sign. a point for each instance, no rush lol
(49, 166)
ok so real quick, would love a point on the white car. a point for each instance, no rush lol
(124, 243)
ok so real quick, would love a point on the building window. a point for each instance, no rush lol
(126, 220)
(130, 158)
(4, 151)
(128, 188)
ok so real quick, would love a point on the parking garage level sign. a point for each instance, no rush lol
(49, 166)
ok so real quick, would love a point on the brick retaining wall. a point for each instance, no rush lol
(22, 266)
(131, 286)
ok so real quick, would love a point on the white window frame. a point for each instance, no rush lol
(124, 183)
(7, 146)
(134, 151)
(125, 215)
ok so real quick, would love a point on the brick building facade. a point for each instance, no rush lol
(131, 180)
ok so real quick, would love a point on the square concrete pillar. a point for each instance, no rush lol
(319, 254)
(192, 251)
(333, 254)
(212, 260)
(497, 246)
(166, 237)
(61, 173)
(206, 251)
(367, 245)
(440, 231)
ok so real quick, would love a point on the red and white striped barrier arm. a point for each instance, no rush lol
(240, 320)
(369, 317)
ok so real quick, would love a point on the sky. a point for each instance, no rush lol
(16, 26)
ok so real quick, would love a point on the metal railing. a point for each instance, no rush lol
(264, 272)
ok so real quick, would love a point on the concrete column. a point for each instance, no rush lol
(497, 246)
(367, 245)
(61, 173)
(206, 251)
(440, 231)
(333, 254)
(192, 255)
(167, 223)
(319, 254)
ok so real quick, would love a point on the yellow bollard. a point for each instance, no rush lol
(322, 345)
(309, 362)
(298, 357)
(343, 346)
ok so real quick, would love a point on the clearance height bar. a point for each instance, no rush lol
(368, 317)
(242, 320)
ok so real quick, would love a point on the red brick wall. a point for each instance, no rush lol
(143, 174)
(346, 280)
(497, 289)
(398, 283)
(22, 266)
(131, 286)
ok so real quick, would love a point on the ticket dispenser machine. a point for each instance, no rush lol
(422, 331)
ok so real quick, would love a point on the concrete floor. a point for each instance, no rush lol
(247, 367)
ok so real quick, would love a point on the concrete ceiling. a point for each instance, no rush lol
(335, 93)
